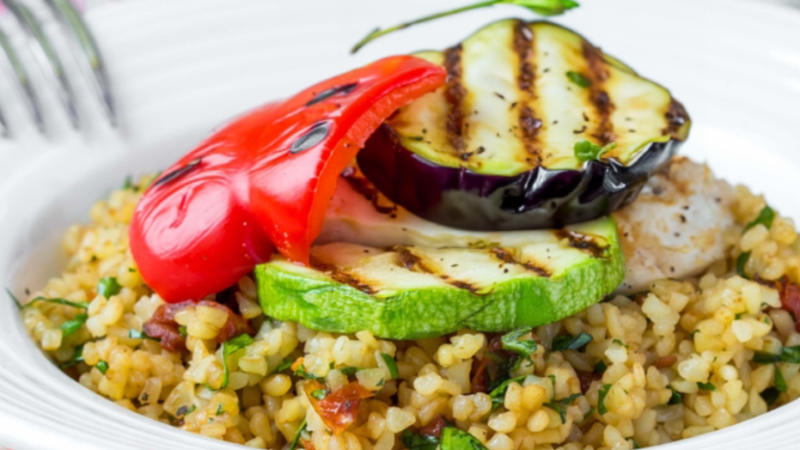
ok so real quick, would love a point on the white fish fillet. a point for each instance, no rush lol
(674, 228)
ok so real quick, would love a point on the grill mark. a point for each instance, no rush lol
(508, 258)
(581, 242)
(454, 95)
(363, 186)
(341, 276)
(676, 118)
(529, 124)
(409, 261)
(598, 74)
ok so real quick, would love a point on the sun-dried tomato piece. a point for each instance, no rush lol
(163, 326)
(586, 379)
(338, 409)
(790, 298)
(434, 427)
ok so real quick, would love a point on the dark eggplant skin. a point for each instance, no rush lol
(536, 199)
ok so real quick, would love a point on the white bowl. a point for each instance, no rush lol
(180, 67)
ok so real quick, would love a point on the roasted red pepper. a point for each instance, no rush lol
(264, 180)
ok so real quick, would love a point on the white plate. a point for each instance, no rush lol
(180, 67)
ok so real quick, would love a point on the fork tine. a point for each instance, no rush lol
(31, 101)
(69, 16)
(45, 53)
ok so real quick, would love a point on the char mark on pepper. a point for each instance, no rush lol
(529, 124)
(177, 173)
(507, 257)
(454, 94)
(598, 75)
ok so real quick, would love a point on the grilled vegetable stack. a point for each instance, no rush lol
(536, 128)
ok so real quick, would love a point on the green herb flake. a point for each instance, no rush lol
(414, 441)
(302, 373)
(182, 331)
(561, 343)
(55, 301)
(620, 343)
(13, 298)
(298, 435)
(455, 439)
(770, 395)
(560, 406)
(77, 357)
(128, 184)
(579, 79)
(285, 365)
(69, 327)
(102, 366)
(108, 287)
(787, 355)
(498, 394)
(229, 348)
(349, 371)
(706, 386)
(741, 262)
(319, 394)
(676, 398)
(185, 410)
(588, 413)
(780, 382)
(523, 348)
(600, 367)
(136, 334)
(589, 151)
(765, 217)
(738, 316)
(391, 364)
(635, 444)
(220, 410)
(601, 397)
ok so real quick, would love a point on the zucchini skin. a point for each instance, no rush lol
(537, 199)
(307, 296)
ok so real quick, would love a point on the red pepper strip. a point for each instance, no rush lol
(265, 179)
(338, 409)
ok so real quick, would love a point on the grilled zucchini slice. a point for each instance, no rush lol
(411, 292)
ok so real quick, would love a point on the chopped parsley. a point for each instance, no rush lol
(787, 355)
(765, 217)
(298, 434)
(498, 394)
(229, 348)
(523, 348)
(184, 410)
(71, 326)
(601, 398)
(182, 331)
(286, 364)
(635, 444)
(579, 79)
(770, 395)
(706, 386)
(600, 367)
(560, 406)
(136, 334)
(676, 398)
(102, 366)
(77, 358)
(319, 394)
(414, 441)
(56, 301)
(741, 262)
(13, 298)
(302, 373)
(561, 343)
(589, 151)
(128, 183)
(620, 343)
(455, 439)
(349, 371)
(108, 287)
(780, 382)
(220, 410)
(588, 413)
(391, 364)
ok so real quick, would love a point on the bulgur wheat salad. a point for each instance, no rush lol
(490, 247)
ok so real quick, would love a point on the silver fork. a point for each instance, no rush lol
(50, 63)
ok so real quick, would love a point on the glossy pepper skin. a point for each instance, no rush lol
(264, 181)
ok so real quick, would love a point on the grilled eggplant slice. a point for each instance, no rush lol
(411, 292)
(494, 148)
